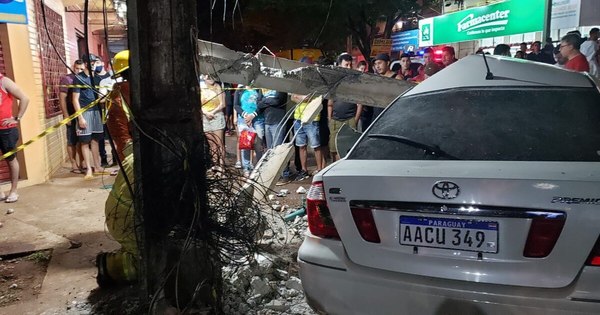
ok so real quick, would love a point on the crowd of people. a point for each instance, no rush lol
(87, 134)
(262, 112)
(573, 52)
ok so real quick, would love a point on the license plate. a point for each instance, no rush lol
(458, 234)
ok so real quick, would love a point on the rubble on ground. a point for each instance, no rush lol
(269, 284)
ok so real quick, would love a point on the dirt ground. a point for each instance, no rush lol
(21, 277)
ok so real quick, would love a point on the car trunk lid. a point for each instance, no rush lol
(504, 206)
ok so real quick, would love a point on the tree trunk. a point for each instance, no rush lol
(169, 147)
(390, 21)
(359, 31)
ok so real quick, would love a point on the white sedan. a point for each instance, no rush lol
(476, 192)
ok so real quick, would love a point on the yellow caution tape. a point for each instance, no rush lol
(74, 86)
(234, 89)
(68, 119)
(49, 130)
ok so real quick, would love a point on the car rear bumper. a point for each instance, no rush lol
(334, 285)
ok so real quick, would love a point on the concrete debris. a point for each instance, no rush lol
(265, 265)
(271, 197)
(277, 305)
(281, 274)
(260, 287)
(268, 285)
(297, 219)
(294, 283)
(301, 190)
(239, 282)
(10, 211)
(268, 234)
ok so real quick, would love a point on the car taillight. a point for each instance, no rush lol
(320, 222)
(594, 259)
(542, 237)
(366, 224)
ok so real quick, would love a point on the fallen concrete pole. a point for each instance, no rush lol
(284, 75)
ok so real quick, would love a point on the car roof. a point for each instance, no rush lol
(471, 71)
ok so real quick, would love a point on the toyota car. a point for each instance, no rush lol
(476, 192)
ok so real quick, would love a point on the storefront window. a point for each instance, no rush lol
(529, 37)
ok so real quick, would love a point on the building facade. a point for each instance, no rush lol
(32, 54)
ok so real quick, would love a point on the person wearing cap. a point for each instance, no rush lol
(117, 120)
(90, 131)
(381, 65)
(340, 112)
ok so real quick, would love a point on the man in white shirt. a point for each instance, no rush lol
(590, 50)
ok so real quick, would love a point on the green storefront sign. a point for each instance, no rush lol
(505, 18)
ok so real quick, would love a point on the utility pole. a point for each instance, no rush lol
(547, 22)
(169, 151)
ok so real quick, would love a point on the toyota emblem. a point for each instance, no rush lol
(445, 190)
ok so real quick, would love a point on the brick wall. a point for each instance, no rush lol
(74, 27)
(55, 143)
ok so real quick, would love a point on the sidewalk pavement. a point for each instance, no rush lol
(65, 210)
(59, 214)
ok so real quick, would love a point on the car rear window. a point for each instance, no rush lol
(548, 124)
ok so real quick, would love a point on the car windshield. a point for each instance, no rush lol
(502, 124)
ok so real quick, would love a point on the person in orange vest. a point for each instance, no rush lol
(117, 119)
(121, 266)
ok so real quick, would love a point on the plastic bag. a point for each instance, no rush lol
(247, 138)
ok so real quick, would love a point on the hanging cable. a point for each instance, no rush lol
(324, 24)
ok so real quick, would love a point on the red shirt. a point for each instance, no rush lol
(6, 105)
(578, 63)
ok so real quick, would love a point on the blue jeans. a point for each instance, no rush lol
(306, 134)
(259, 128)
(270, 132)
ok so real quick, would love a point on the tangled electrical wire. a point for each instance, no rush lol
(226, 221)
